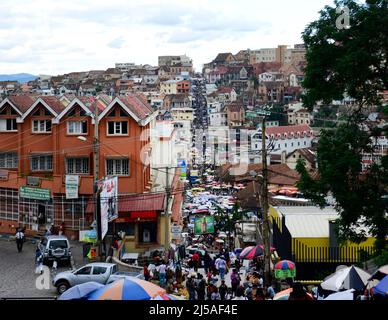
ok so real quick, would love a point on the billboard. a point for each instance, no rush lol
(182, 166)
(204, 224)
(109, 203)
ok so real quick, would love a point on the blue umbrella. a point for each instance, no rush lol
(382, 287)
(80, 291)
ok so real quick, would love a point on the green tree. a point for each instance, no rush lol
(227, 220)
(349, 62)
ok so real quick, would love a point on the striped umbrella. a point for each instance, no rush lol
(253, 252)
(128, 288)
(283, 295)
(167, 297)
(285, 269)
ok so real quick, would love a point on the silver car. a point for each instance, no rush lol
(55, 248)
(97, 271)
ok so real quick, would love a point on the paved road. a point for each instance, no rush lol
(17, 270)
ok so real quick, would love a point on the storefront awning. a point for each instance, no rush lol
(136, 203)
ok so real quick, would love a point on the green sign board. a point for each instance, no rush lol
(204, 225)
(35, 193)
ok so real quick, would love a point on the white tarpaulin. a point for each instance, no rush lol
(342, 295)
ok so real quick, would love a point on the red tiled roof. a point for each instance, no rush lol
(137, 103)
(138, 202)
(283, 130)
(22, 102)
(54, 103)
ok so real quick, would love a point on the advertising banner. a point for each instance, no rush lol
(71, 184)
(109, 203)
(204, 224)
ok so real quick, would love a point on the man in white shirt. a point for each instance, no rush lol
(19, 239)
(162, 274)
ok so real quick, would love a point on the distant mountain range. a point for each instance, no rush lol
(19, 77)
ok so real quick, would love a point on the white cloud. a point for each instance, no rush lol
(51, 37)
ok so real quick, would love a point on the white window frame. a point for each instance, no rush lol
(42, 126)
(115, 127)
(44, 162)
(73, 125)
(9, 160)
(13, 120)
(116, 167)
(71, 163)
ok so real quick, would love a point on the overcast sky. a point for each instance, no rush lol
(55, 37)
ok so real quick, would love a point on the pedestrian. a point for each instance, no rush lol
(248, 291)
(223, 290)
(259, 294)
(162, 274)
(195, 259)
(235, 280)
(221, 267)
(215, 294)
(201, 286)
(237, 264)
(210, 289)
(299, 293)
(190, 285)
(271, 291)
(240, 294)
(207, 261)
(38, 253)
(146, 273)
(61, 228)
(19, 240)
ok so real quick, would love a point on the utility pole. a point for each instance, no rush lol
(96, 176)
(264, 201)
(166, 214)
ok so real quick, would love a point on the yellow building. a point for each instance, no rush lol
(306, 234)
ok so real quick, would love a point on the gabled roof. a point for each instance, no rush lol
(134, 104)
(81, 101)
(52, 104)
(221, 57)
(234, 107)
(19, 103)
(306, 153)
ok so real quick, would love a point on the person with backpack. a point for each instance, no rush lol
(19, 239)
(235, 280)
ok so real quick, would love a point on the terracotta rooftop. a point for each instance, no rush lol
(22, 102)
(137, 103)
(54, 103)
(288, 129)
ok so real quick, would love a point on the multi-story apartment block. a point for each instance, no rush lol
(42, 141)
